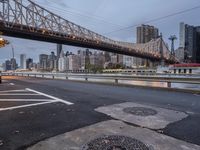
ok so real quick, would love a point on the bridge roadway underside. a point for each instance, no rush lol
(37, 34)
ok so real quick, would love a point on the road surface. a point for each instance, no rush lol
(33, 109)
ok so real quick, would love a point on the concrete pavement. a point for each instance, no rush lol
(76, 140)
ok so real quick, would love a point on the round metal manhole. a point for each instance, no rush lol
(140, 111)
(115, 142)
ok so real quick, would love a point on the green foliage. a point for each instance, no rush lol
(95, 68)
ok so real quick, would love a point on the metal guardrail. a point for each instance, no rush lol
(166, 79)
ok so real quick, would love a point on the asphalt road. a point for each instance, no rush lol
(29, 113)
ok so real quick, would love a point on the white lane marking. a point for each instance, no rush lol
(26, 100)
(196, 95)
(12, 84)
(49, 96)
(13, 91)
(19, 94)
(29, 105)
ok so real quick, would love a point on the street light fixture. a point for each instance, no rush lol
(3, 42)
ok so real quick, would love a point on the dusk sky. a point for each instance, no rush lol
(106, 16)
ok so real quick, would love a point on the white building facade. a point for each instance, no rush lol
(23, 61)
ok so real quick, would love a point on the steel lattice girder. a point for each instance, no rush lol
(27, 16)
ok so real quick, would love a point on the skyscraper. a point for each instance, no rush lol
(29, 63)
(51, 61)
(189, 42)
(59, 49)
(63, 63)
(43, 58)
(7, 65)
(182, 35)
(13, 64)
(23, 61)
(74, 62)
(146, 33)
(198, 44)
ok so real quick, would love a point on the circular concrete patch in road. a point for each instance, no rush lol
(115, 142)
(140, 111)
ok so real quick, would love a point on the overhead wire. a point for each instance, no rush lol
(81, 14)
(156, 19)
(122, 28)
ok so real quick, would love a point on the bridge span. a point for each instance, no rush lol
(26, 19)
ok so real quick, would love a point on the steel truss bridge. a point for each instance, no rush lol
(26, 19)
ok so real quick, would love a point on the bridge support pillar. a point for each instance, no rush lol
(162, 63)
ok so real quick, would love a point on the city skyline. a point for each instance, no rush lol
(33, 48)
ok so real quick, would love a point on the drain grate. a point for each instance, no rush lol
(115, 142)
(140, 111)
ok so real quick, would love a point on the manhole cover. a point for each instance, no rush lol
(115, 142)
(140, 111)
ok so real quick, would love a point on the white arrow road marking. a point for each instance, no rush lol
(13, 91)
(29, 105)
(28, 92)
(18, 94)
(26, 100)
(49, 96)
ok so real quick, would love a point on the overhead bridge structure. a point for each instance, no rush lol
(26, 19)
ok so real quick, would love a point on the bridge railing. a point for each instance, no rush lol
(169, 80)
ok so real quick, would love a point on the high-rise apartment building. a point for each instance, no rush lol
(146, 33)
(59, 49)
(13, 64)
(51, 61)
(182, 35)
(29, 63)
(43, 61)
(7, 65)
(23, 61)
(189, 37)
(63, 62)
(98, 59)
(74, 62)
(198, 44)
